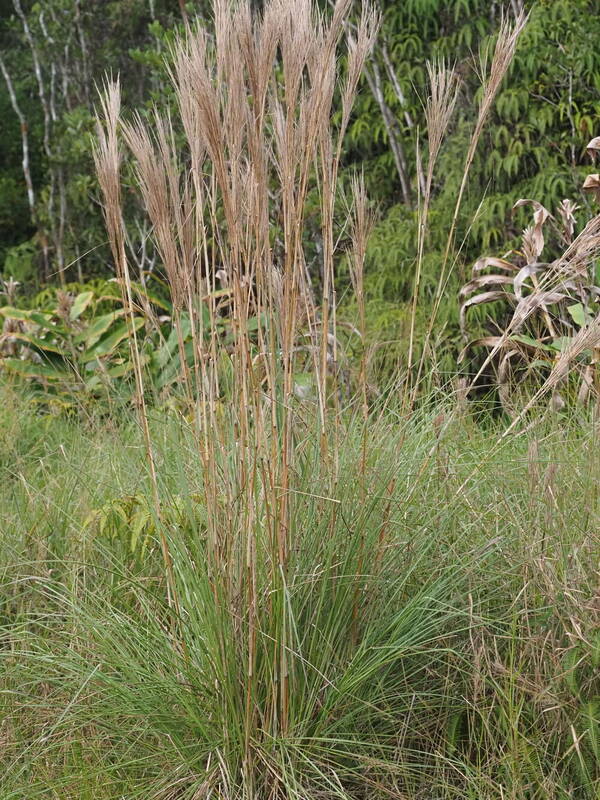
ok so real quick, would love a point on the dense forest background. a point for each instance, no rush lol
(55, 53)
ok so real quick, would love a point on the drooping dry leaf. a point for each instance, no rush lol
(533, 237)
(586, 385)
(545, 299)
(566, 211)
(484, 297)
(544, 292)
(593, 148)
(484, 281)
(524, 273)
(592, 184)
(490, 261)
(528, 305)
(557, 402)
(485, 341)
(529, 246)
(505, 382)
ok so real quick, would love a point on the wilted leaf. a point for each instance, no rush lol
(533, 237)
(566, 211)
(482, 281)
(504, 383)
(587, 382)
(557, 402)
(593, 147)
(528, 305)
(484, 297)
(489, 261)
(540, 212)
(485, 341)
(524, 273)
(592, 184)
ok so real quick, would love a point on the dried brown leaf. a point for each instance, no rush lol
(504, 383)
(528, 305)
(490, 261)
(533, 236)
(485, 341)
(593, 148)
(524, 273)
(529, 247)
(566, 211)
(592, 184)
(479, 299)
(586, 385)
(483, 281)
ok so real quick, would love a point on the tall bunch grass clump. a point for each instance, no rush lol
(273, 612)
(256, 110)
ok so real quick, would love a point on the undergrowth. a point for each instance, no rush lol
(442, 622)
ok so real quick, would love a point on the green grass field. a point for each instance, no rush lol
(440, 609)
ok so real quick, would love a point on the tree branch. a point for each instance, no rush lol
(374, 81)
(402, 100)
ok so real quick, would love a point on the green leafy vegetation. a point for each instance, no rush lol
(255, 541)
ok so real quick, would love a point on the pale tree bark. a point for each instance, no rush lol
(402, 100)
(394, 134)
(24, 138)
(38, 75)
(61, 64)
(25, 159)
(49, 115)
(373, 77)
(85, 59)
